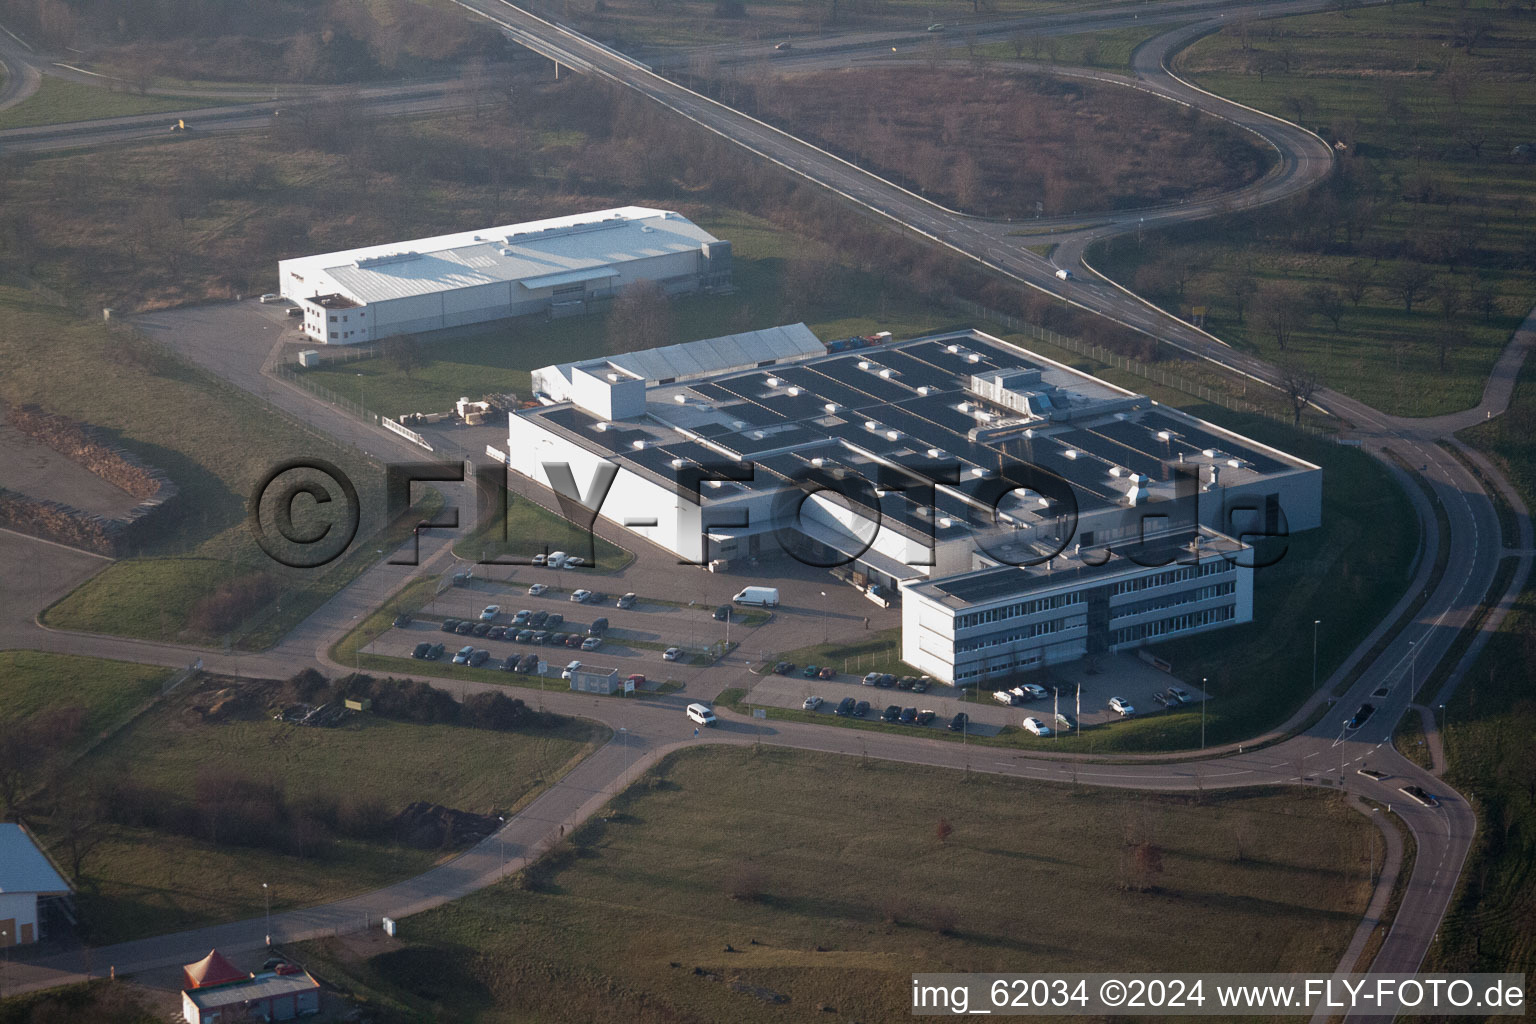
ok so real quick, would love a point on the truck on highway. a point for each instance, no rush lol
(765, 597)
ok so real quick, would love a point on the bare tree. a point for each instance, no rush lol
(1278, 311)
(1356, 279)
(1325, 301)
(1450, 296)
(1018, 42)
(1299, 384)
(1238, 286)
(1408, 281)
(641, 318)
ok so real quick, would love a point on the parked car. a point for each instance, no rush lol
(539, 559)
(558, 639)
(538, 619)
(906, 682)
(529, 665)
(1359, 717)
(597, 597)
(1006, 698)
(926, 715)
(870, 679)
(522, 617)
(1121, 706)
(524, 636)
(420, 651)
(812, 703)
(627, 601)
(490, 612)
(1033, 692)
(1065, 721)
(861, 709)
(921, 686)
(844, 707)
(892, 713)
(723, 613)
(811, 671)
(449, 625)
(479, 658)
(784, 668)
(481, 629)
(572, 561)
(570, 670)
(575, 640)
(959, 722)
(908, 716)
(462, 657)
(785, 46)
(270, 296)
(538, 588)
(437, 651)
(598, 628)
(701, 714)
(1180, 694)
(1037, 727)
(402, 620)
(510, 665)
(464, 628)
(498, 632)
(671, 654)
(637, 679)
(540, 636)
(592, 643)
(886, 681)
(555, 620)
(580, 596)
(827, 672)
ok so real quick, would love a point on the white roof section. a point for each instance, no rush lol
(711, 355)
(538, 254)
(24, 867)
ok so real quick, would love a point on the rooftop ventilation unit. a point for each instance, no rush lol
(774, 382)
(1070, 453)
(638, 445)
(679, 463)
(887, 372)
(1166, 435)
(865, 364)
(680, 399)
(830, 407)
(794, 392)
(599, 427)
(871, 424)
(893, 435)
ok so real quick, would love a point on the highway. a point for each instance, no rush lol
(1323, 753)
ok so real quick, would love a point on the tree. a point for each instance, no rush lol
(943, 830)
(1356, 279)
(1485, 298)
(1325, 301)
(1299, 384)
(1277, 308)
(1238, 286)
(404, 354)
(641, 318)
(1408, 281)
(1018, 42)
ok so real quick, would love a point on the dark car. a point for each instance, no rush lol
(498, 633)
(557, 639)
(1066, 721)
(925, 716)
(540, 636)
(449, 625)
(921, 685)
(627, 601)
(959, 722)
(538, 619)
(420, 651)
(554, 620)
(844, 707)
(437, 651)
(529, 665)
(861, 709)
(811, 671)
(905, 682)
(827, 672)
(723, 613)
(479, 658)
(908, 716)
(402, 620)
(463, 628)
(784, 668)
(574, 640)
(510, 665)
(886, 681)
(481, 628)
(522, 617)
(598, 628)
(524, 636)
(598, 597)
(1359, 718)
(891, 714)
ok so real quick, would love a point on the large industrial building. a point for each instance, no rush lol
(1023, 512)
(553, 267)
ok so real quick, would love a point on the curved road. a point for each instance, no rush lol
(1318, 754)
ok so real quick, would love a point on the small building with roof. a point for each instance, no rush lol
(28, 882)
(218, 992)
(555, 267)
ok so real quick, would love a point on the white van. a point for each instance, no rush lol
(556, 560)
(702, 714)
(766, 597)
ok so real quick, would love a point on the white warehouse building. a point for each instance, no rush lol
(554, 267)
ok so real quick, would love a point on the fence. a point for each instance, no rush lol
(405, 432)
(1155, 374)
(340, 401)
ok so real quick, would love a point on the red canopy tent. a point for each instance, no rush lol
(211, 970)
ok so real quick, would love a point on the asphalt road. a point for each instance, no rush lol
(1323, 753)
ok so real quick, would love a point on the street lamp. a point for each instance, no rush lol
(1315, 624)
(362, 396)
(1413, 669)
(1205, 698)
(823, 616)
(266, 894)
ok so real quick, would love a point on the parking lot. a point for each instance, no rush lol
(634, 642)
(1122, 676)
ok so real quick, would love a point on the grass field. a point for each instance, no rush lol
(60, 100)
(833, 899)
(1107, 50)
(531, 529)
(105, 692)
(1428, 185)
(143, 881)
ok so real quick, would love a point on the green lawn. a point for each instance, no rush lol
(144, 880)
(1109, 49)
(532, 529)
(1426, 180)
(103, 693)
(703, 888)
(59, 100)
